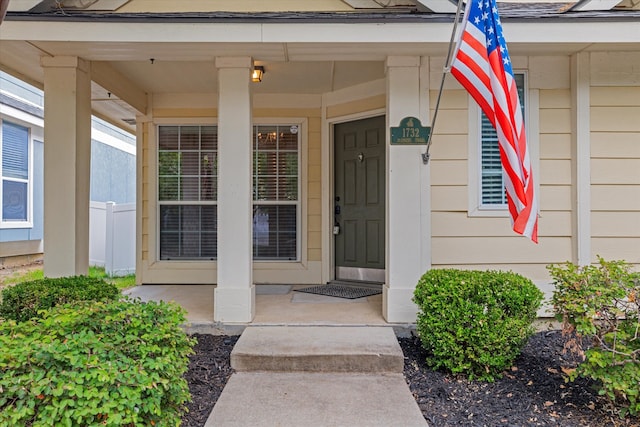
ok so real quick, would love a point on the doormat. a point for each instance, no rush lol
(340, 291)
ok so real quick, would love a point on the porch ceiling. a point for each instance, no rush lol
(291, 68)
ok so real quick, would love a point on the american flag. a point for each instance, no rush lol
(483, 67)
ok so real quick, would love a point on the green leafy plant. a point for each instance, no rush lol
(602, 303)
(25, 300)
(95, 363)
(475, 322)
(121, 282)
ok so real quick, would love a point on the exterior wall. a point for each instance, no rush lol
(615, 156)
(113, 174)
(24, 245)
(113, 164)
(464, 237)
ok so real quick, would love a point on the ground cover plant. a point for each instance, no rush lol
(34, 272)
(474, 322)
(95, 363)
(600, 304)
(27, 299)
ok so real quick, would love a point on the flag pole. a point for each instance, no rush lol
(445, 71)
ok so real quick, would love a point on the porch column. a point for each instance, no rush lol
(67, 160)
(581, 156)
(408, 191)
(235, 292)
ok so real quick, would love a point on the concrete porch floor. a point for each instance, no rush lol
(275, 305)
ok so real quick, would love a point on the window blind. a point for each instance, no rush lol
(15, 151)
(275, 192)
(492, 182)
(187, 192)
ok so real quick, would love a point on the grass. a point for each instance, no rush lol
(122, 282)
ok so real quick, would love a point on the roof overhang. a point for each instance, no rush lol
(591, 5)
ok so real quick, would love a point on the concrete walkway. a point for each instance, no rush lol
(316, 376)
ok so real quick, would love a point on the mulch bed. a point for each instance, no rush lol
(532, 393)
(209, 371)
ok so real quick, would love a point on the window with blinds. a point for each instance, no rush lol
(275, 192)
(187, 192)
(493, 193)
(15, 173)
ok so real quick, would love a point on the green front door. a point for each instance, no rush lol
(359, 226)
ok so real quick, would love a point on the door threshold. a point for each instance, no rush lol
(357, 283)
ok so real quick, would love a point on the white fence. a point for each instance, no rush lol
(112, 237)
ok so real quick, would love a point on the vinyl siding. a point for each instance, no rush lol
(615, 161)
(462, 240)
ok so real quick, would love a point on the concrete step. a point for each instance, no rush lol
(318, 349)
(268, 399)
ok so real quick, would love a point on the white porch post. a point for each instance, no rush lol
(67, 160)
(581, 156)
(408, 193)
(235, 292)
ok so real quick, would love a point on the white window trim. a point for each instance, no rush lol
(474, 183)
(154, 263)
(154, 151)
(154, 203)
(301, 213)
(34, 133)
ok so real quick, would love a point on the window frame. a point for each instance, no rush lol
(298, 202)
(159, 203)
(28, 223)
(155, 203)
(476, 208)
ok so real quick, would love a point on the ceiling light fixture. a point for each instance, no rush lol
(258, 71)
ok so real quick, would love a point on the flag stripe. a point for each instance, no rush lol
(482, 66)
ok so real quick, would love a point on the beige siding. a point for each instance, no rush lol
(555, 198)
(457, 224)
(462, 238)
(615, 69)
(359, 106)
(449, 147)
(621, 248)
(499, 250)
(615, 198)
(555, 146)
(449, 198)
(145, 191)
(615, 145)
(615, 159)
(615, 171)
(615, 224)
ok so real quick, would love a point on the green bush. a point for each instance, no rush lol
(24, 300)
(95, 363)
(475, 322)
(602, 303)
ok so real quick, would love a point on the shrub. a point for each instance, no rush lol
(24, 300)
(113, 363)
(602, 303)
(475, 322)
